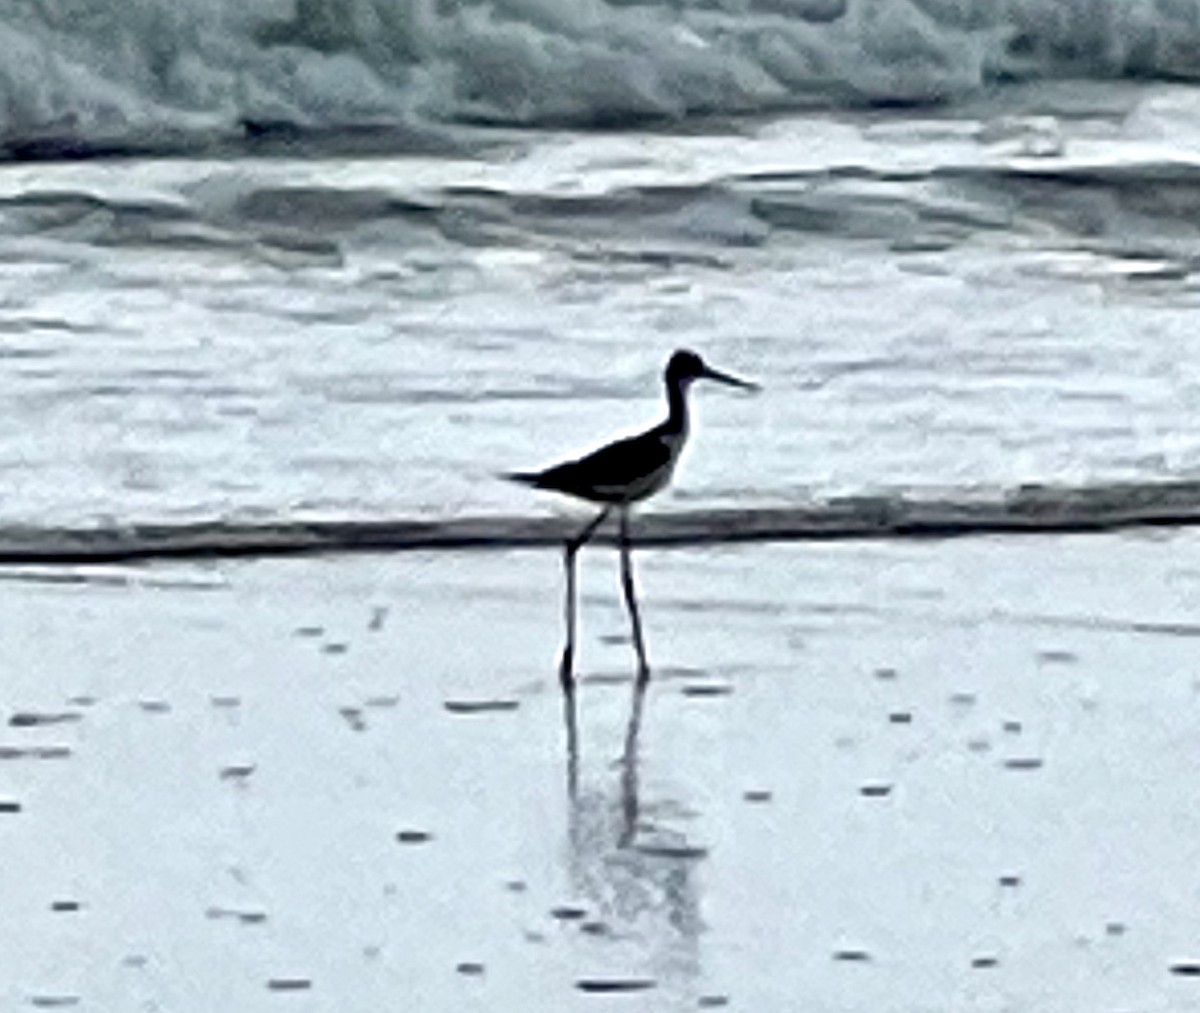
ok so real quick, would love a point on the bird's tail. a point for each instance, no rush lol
(533, 478)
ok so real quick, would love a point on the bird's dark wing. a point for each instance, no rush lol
(612, 467)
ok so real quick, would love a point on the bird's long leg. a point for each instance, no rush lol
(629, 767)
(566, 667)
(631, 598)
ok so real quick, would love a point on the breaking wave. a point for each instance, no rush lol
(80, 77)
(1141, 212)
(1027, 510)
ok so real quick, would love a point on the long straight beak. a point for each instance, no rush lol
(733, 381)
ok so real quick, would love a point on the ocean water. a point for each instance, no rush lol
(349, 259)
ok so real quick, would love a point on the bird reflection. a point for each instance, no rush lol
(629, 768)
(628, 761)
(637, 877)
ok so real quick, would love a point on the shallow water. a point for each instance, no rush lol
(871, 777)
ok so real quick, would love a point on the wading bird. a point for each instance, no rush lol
(618, 475)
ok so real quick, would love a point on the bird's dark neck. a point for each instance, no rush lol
(677, 415)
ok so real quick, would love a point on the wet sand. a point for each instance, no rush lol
(867, 776)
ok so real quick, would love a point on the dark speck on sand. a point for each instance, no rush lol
(1023, 763)
(244, 917)
(703, 689)
(690, 852)
(613, 985)
(31, 719)
(382, 701)
(289, 984)
(34, 752)
(479, 706)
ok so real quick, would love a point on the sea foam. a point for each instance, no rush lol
(172, 74)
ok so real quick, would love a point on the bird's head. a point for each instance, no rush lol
(686, 366)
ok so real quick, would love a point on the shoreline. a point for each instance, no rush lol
(1027, 510)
